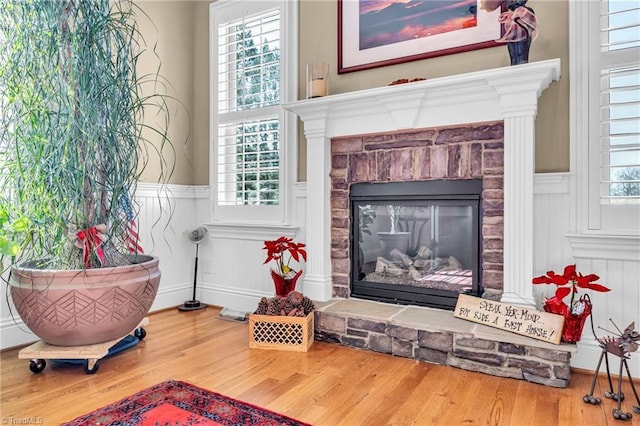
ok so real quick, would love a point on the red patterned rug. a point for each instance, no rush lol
(179, 403)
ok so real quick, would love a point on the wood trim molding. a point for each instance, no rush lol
(605, 247)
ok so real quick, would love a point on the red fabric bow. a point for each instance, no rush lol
(89, 240)
(518, 25)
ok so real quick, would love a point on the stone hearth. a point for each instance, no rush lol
(436, 336)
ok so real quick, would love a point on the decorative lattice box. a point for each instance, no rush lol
(281, 332)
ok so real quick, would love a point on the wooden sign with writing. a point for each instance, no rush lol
(516, 319)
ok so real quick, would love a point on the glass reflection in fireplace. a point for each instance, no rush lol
(417, 248)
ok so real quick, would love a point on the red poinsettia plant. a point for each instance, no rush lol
(282, 251)
(277, 251)
(569, 283)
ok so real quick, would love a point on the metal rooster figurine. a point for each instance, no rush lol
(620, 346)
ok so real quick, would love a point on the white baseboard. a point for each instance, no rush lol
(171, 297)
(588, 354)
(231, 297)
(15, 333)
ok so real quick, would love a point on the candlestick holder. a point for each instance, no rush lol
(317, 84)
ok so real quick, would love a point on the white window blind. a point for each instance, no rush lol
(248, 110)
(248, 162)
(620, 102)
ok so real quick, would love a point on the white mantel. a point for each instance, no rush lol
(509, 94)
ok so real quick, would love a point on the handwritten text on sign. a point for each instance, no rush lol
(516, 319)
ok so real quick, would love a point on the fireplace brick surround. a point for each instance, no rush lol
(479, 124)
(473, 151)
(457, 152)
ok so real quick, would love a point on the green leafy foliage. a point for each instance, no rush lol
(73, 138)
(9, 233)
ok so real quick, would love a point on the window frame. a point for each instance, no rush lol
(223, 11)
(593, 216)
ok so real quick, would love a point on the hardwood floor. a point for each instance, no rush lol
(329, 385)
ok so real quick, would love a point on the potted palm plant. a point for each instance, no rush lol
(73, 143)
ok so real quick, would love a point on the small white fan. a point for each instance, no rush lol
(196, 236)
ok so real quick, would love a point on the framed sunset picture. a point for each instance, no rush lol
(375, 33)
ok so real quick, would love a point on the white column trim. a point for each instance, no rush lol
(317, 280)
(519, 144)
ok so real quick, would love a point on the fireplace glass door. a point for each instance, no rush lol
(415, 242)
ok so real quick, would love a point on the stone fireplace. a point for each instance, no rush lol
(466, 154)
(508, 94)
(480, 126)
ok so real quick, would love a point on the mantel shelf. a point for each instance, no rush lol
(472, 97)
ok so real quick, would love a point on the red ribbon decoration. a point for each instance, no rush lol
(91, 240)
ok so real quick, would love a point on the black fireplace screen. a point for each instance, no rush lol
(416, 242)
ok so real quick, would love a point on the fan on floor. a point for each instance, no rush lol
(196, 236)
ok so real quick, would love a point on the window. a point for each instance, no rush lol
(253, 141)
(620, 102)
(605, 104)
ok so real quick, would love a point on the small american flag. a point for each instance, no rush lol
(131, 238)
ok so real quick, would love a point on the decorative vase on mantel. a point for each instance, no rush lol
(520, 28)
(284, 285)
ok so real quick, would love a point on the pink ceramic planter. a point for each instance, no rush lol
(84, 307)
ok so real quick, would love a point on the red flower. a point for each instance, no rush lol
(276, 250)
(568, 283)
(556, 306)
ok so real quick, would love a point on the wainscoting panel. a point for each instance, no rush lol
(231, 272)
(621, 305)
(554, 221)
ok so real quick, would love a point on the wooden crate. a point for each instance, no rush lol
(281, 332)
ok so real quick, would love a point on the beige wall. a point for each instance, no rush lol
(319, 39)
(171, 31)
(200, 111)
(183, 42)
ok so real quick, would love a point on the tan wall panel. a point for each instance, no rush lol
(200, 113)
(318, 23)
(171, 31)
(319, 39)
